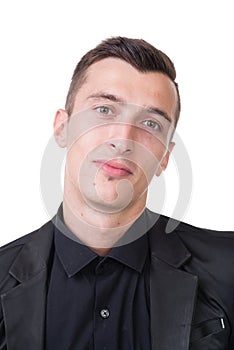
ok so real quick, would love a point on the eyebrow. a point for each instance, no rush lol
(106, 96)
(114, 98)
(158, 111)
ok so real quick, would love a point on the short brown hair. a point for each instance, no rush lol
(137, 52)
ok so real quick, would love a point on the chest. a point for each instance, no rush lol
(106, 303)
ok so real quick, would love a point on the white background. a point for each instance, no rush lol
(41, 42)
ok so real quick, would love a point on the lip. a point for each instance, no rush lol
(113, 168)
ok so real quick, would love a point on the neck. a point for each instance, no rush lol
(99, 230)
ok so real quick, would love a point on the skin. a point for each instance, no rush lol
(117, 139)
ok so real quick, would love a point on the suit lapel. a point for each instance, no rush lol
(24, 306)
(172, 291)
(24, 311)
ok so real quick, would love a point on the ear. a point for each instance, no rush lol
(60, 127)
(164, 161)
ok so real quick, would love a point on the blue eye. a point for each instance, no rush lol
(152, 124)
(104, 110)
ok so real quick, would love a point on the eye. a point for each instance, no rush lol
(152, 124)
(104, 110)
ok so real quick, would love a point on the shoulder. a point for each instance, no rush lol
(197, 240)
(29, 237)
(200, 236)
(169, 226)
(206, 253)
(37, 239)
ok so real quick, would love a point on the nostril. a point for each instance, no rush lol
(120, 146)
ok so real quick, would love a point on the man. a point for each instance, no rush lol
(103, 273)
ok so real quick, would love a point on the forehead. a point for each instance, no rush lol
(118, 78)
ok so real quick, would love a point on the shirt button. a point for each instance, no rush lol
(105, 313)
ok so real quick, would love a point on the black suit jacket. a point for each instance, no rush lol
(191, 288)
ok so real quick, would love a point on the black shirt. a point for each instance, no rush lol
(95, 302)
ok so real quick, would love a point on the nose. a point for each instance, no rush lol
(121, 146)
(122, 139)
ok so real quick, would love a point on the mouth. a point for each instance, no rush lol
(114, 168)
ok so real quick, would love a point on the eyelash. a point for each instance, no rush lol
(112, 113)
(106, 107)
(159, 127)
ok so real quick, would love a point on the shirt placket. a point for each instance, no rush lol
(103, 312)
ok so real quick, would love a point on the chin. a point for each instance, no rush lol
(108, 206)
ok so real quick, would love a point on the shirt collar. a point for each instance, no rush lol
(132, 254)
(74, 255)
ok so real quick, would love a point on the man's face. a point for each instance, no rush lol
(118, 135)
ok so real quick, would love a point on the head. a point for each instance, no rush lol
(121, 104)
(137, 52)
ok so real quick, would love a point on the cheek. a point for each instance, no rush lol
(153, 147)
(82, 145)
(79, 150)
(151, 158)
